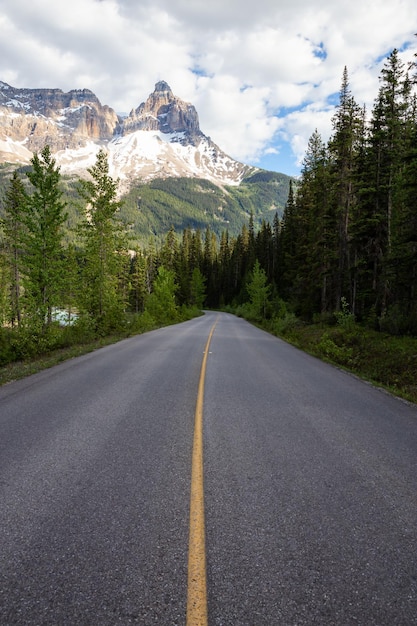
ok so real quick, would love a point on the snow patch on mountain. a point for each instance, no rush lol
(144, 155)
(161, 138)
(14, 151)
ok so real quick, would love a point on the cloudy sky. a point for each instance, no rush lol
(262, 74)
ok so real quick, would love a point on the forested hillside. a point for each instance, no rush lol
(196, 203)
(149, 210)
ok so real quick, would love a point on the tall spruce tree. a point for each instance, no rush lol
(138, 290)
(105, 248)
(343, 151)
(210, 267)
(42, 260)
(13, 227)
(384, 161)
(161, 303)
(308, 236)
(259, 291)
(401, 315)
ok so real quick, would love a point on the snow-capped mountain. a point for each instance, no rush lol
(159, 139)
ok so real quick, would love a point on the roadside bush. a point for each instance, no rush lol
(330, 350)
(141, 323)
(283, 325)
(344, 317)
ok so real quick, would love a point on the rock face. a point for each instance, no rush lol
(160, 138)
(164, 112)
(37, 117)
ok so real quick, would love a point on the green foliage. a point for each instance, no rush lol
(344, 317)
(283, 324)
(11, 262)
(154, 208)
(259, 292)
(351, 228)
(161, 304)
(43, 215)
(102, 297)
(327, 348)
(197, 289)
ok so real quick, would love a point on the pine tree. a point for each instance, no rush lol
(161, 303)
(382, 167)
(402, 315)
(264, 248)
(169, 251)
(44, 217)
(343, 149)
(138, 288)
(197, 289)
(13, 226)
(183, 267)
(71, 282)
(307, 236)
(4, 292)
(276, 248)
(259, 292)
(225, 279)
(210, 267)
(105, 248)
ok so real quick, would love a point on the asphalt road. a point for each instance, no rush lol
(310, 487)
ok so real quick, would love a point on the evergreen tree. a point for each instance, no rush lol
(197, 289)
(264, 248)
(225, 290)
(44, 216)
(138, 287)
(71, 286)
(276, 248)
(169, 251)
(183, 266)
(402, 313)
(13, 226)
(4, 291)
(152, 263)
(308, 236)
(287, 245)
(161, 303)
(259, 292)
(105, 247)
(384, 160)
(210, 267)
(343, 150)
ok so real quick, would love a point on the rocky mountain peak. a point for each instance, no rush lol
(163, 86)
(75, 125)
(164, 112)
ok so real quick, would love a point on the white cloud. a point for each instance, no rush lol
(257, 74)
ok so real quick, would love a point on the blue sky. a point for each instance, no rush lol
(262, 76)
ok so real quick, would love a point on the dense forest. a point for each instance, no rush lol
(345, 245)
(349, 235)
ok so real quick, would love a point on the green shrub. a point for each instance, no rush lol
(330, 350)
(344, 317)
(283, 325)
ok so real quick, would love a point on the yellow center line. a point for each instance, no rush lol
(197, 584)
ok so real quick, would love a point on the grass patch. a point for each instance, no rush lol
(31, 365)
(21, 369)
(386, 360)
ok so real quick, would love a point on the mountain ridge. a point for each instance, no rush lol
(159, 138)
